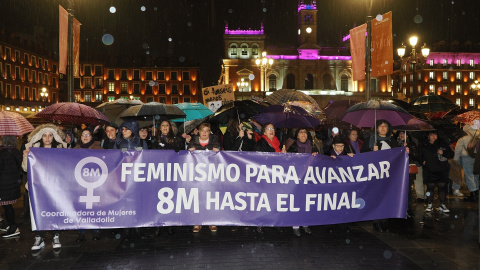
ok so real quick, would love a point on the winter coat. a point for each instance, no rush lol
(429, 159)
(294, 147)
(263, 146)
(232, 142)
(164, 145)
(212, 143)
(135, 142)
(95, 145)
(349, 148)
(391, 142)
(108, 144)
(10, 173)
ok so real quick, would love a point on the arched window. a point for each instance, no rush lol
(290, 81)
(327, 81)
(244, 49)
(308, 81)
(272, 82)
(233, 49)
(344, 82)
(254, 49)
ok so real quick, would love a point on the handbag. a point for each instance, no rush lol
(412, 169)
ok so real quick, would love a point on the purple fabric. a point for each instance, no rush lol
(91, 189)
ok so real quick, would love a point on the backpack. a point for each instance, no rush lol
(472, 146)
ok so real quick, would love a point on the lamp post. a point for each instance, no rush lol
(475, 86)
(264, 63)
(241, 85)
(44, 95)
(413, 59)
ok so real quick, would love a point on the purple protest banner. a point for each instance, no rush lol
(88, 189)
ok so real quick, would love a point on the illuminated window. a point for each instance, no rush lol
(431, 74)
(98, 96)
(458, 101)
(471, 75)
(233, 49)
(123, 87)
(431, 87)
(111, 87)
(88, 97)
(459, 62)
(87, 82)
(405, 79)
(411, 77)
(471, 102)
(98, 83)
(445, 88)
(458, 88)
(111, 98)
(472, 64)
(431, 62)
(444, 62)
(445, 75)
(458, 75)
(77, 96)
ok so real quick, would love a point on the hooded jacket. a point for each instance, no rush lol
(462, 143)
(122, 143)
(34, 139)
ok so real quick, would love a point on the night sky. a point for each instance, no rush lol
(141, 38)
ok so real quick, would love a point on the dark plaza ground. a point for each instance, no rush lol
(427, 241)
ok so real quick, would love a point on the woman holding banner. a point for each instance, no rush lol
(269, 142)
(45, 136)
(128, 137)
(205, 141)
(384, 140)
(302, 144)
(166, 137)
(238, 137)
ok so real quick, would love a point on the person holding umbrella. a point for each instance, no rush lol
(433, 156)
(383, 140)
(44, 136)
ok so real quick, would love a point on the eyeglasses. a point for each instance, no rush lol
(269, 128)
(86, 135)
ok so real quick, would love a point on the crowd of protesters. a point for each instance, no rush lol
(427, 150)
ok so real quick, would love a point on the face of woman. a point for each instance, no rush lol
(302, 136)
(382, 130)
(164, 128)
(204, 133)
(86, 137)
(68, 138)
(47, 139)
(269, 131)
(143, 133)
(127, 133)
(353, 135)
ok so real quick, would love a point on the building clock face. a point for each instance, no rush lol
(309, 30)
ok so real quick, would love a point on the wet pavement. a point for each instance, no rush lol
(427, 241)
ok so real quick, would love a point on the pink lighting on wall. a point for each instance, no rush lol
(244, 32)
(302, 5)
(318, 57)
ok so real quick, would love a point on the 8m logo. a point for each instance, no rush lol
(90, 178)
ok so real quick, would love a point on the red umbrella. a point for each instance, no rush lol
(12, 123)
(468, 117)
(74, 113)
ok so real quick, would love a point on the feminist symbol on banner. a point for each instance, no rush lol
(81, 172)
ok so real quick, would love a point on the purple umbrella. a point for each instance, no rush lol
(286, 116)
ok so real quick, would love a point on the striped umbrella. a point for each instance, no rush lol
(12, 123)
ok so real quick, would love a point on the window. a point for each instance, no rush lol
(17, 73)
(175, 89)
(17, 91)
(186, 89)
(87, 82)
(98, 71)
(46, 79)
(445, 75)
(111, 98)
(459, 62)
(244, 49)
(25, 59)
(34, 94)
(174, 100)
(98, 96)
(186, 99)
(111, 87)
(8, 52)
(88, 97)
(404, 79)
(88, 70)
(17, 56)
(272, 83)
(148, 75)
(405, 91)
(431, 88)
(34, 76)
(431, 62)
(471, 102)
(458, 75)
(233, 49)
(40, 62)
(123, 75)
(54, 82)
(25, 75)
(411, 77)
(185, 76)
(173, 75)
(9, 71)
(1, 89)
(471, 62)
(40, 77)
(161, 76)
(419, 76)
(111, 74)
(45, 64)
(98, 83)
(77, 96)
(76, 83)
(136, 88)
(458, 101)
(444, 61)
(54, 97)
(255, 49)
(148, 89)
(136, 74)
(34, 61)
(123, 87)
(419, 89)
(431, 74)
(162, 100)
(458, 88)
(8, 91)
(161, 89)
(471, 75)
(445, 88)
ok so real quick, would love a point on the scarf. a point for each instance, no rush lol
(371, 143)
(86, 145)
(275, 143)
(355, 146)
(305, 147)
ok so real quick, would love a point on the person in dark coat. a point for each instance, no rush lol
(384, 141)
(10, 181)
(433, 156)
(111, 135)
(128, 137)
(353, 143)
(237, 137)
(269, 142)
(338, 148)
(166, 137)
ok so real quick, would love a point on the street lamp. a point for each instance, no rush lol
(44, 95)
(413, 59)
(264, 63)
(475, 86)
(241, 85)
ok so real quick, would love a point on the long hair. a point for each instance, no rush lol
(232, 126)
(170, 138)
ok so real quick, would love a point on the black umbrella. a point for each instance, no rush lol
(241, 109)
(156, 110)
(431, 104)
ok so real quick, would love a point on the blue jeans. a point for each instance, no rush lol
(470, 178)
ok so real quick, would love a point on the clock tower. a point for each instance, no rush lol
(307, 22)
